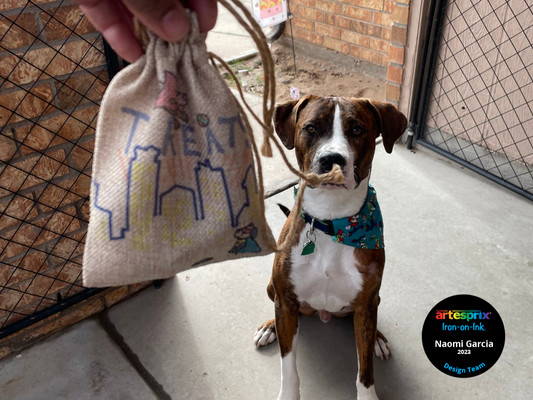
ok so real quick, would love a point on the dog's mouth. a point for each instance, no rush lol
(341, 186)
(333, 186)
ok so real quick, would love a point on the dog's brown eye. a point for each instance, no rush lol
(357, 130)
(310, 128)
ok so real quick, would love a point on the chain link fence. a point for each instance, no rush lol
(479, 107)
(53, 73)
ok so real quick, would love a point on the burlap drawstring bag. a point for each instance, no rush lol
(177, 179)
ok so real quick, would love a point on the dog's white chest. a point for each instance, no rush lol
(327, 279)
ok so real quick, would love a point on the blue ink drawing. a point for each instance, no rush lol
(245, 242)
(123, 230)
(207, 165)
(138, 115)
(245, 188)
(177, 189)
(119, 223)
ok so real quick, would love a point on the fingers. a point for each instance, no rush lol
(207, 12)
(166, 18)
(115, 22)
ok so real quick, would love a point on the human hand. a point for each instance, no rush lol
(166, 18)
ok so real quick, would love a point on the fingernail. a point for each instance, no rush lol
(175, 25)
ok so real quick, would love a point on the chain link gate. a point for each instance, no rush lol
(54, 68)
(475, 89)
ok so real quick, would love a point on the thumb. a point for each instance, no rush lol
(166, 18)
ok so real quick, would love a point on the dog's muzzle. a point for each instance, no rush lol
(326, 162)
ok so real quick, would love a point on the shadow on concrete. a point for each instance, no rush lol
(161, 336)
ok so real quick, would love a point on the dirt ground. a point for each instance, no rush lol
(312, 77)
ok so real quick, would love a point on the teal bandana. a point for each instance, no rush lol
(363, 230)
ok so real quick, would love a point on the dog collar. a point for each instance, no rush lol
(363, 230)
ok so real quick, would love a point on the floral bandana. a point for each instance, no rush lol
(363, 230)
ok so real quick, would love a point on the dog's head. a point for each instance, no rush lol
(336, 130)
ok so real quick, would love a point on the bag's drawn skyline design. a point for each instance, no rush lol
(118, 233)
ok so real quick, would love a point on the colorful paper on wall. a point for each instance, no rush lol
(269, 12)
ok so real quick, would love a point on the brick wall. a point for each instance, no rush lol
(52, 77)
(371, 30)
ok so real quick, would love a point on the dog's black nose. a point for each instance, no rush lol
(326, 162)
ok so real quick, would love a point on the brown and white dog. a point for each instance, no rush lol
(336, 279)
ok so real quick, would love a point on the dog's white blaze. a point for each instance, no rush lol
(338, 143)
(327, 279)
(290, 381)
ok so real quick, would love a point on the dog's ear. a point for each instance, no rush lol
(391, 122)
(285, 118)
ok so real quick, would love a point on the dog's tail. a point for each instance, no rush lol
(284, 209)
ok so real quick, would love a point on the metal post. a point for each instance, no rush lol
(290, 17)
(413, 121)
(430, 65)
(111, 58)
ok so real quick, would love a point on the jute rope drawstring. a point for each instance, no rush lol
(269, 103)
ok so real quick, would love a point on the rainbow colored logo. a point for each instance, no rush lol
(462, 314)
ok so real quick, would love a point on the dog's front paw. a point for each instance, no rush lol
(265, 334)
(381, 347)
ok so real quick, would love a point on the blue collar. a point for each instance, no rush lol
(363, 230)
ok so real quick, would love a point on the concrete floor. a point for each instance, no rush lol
(448, 231)
(81, 363)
